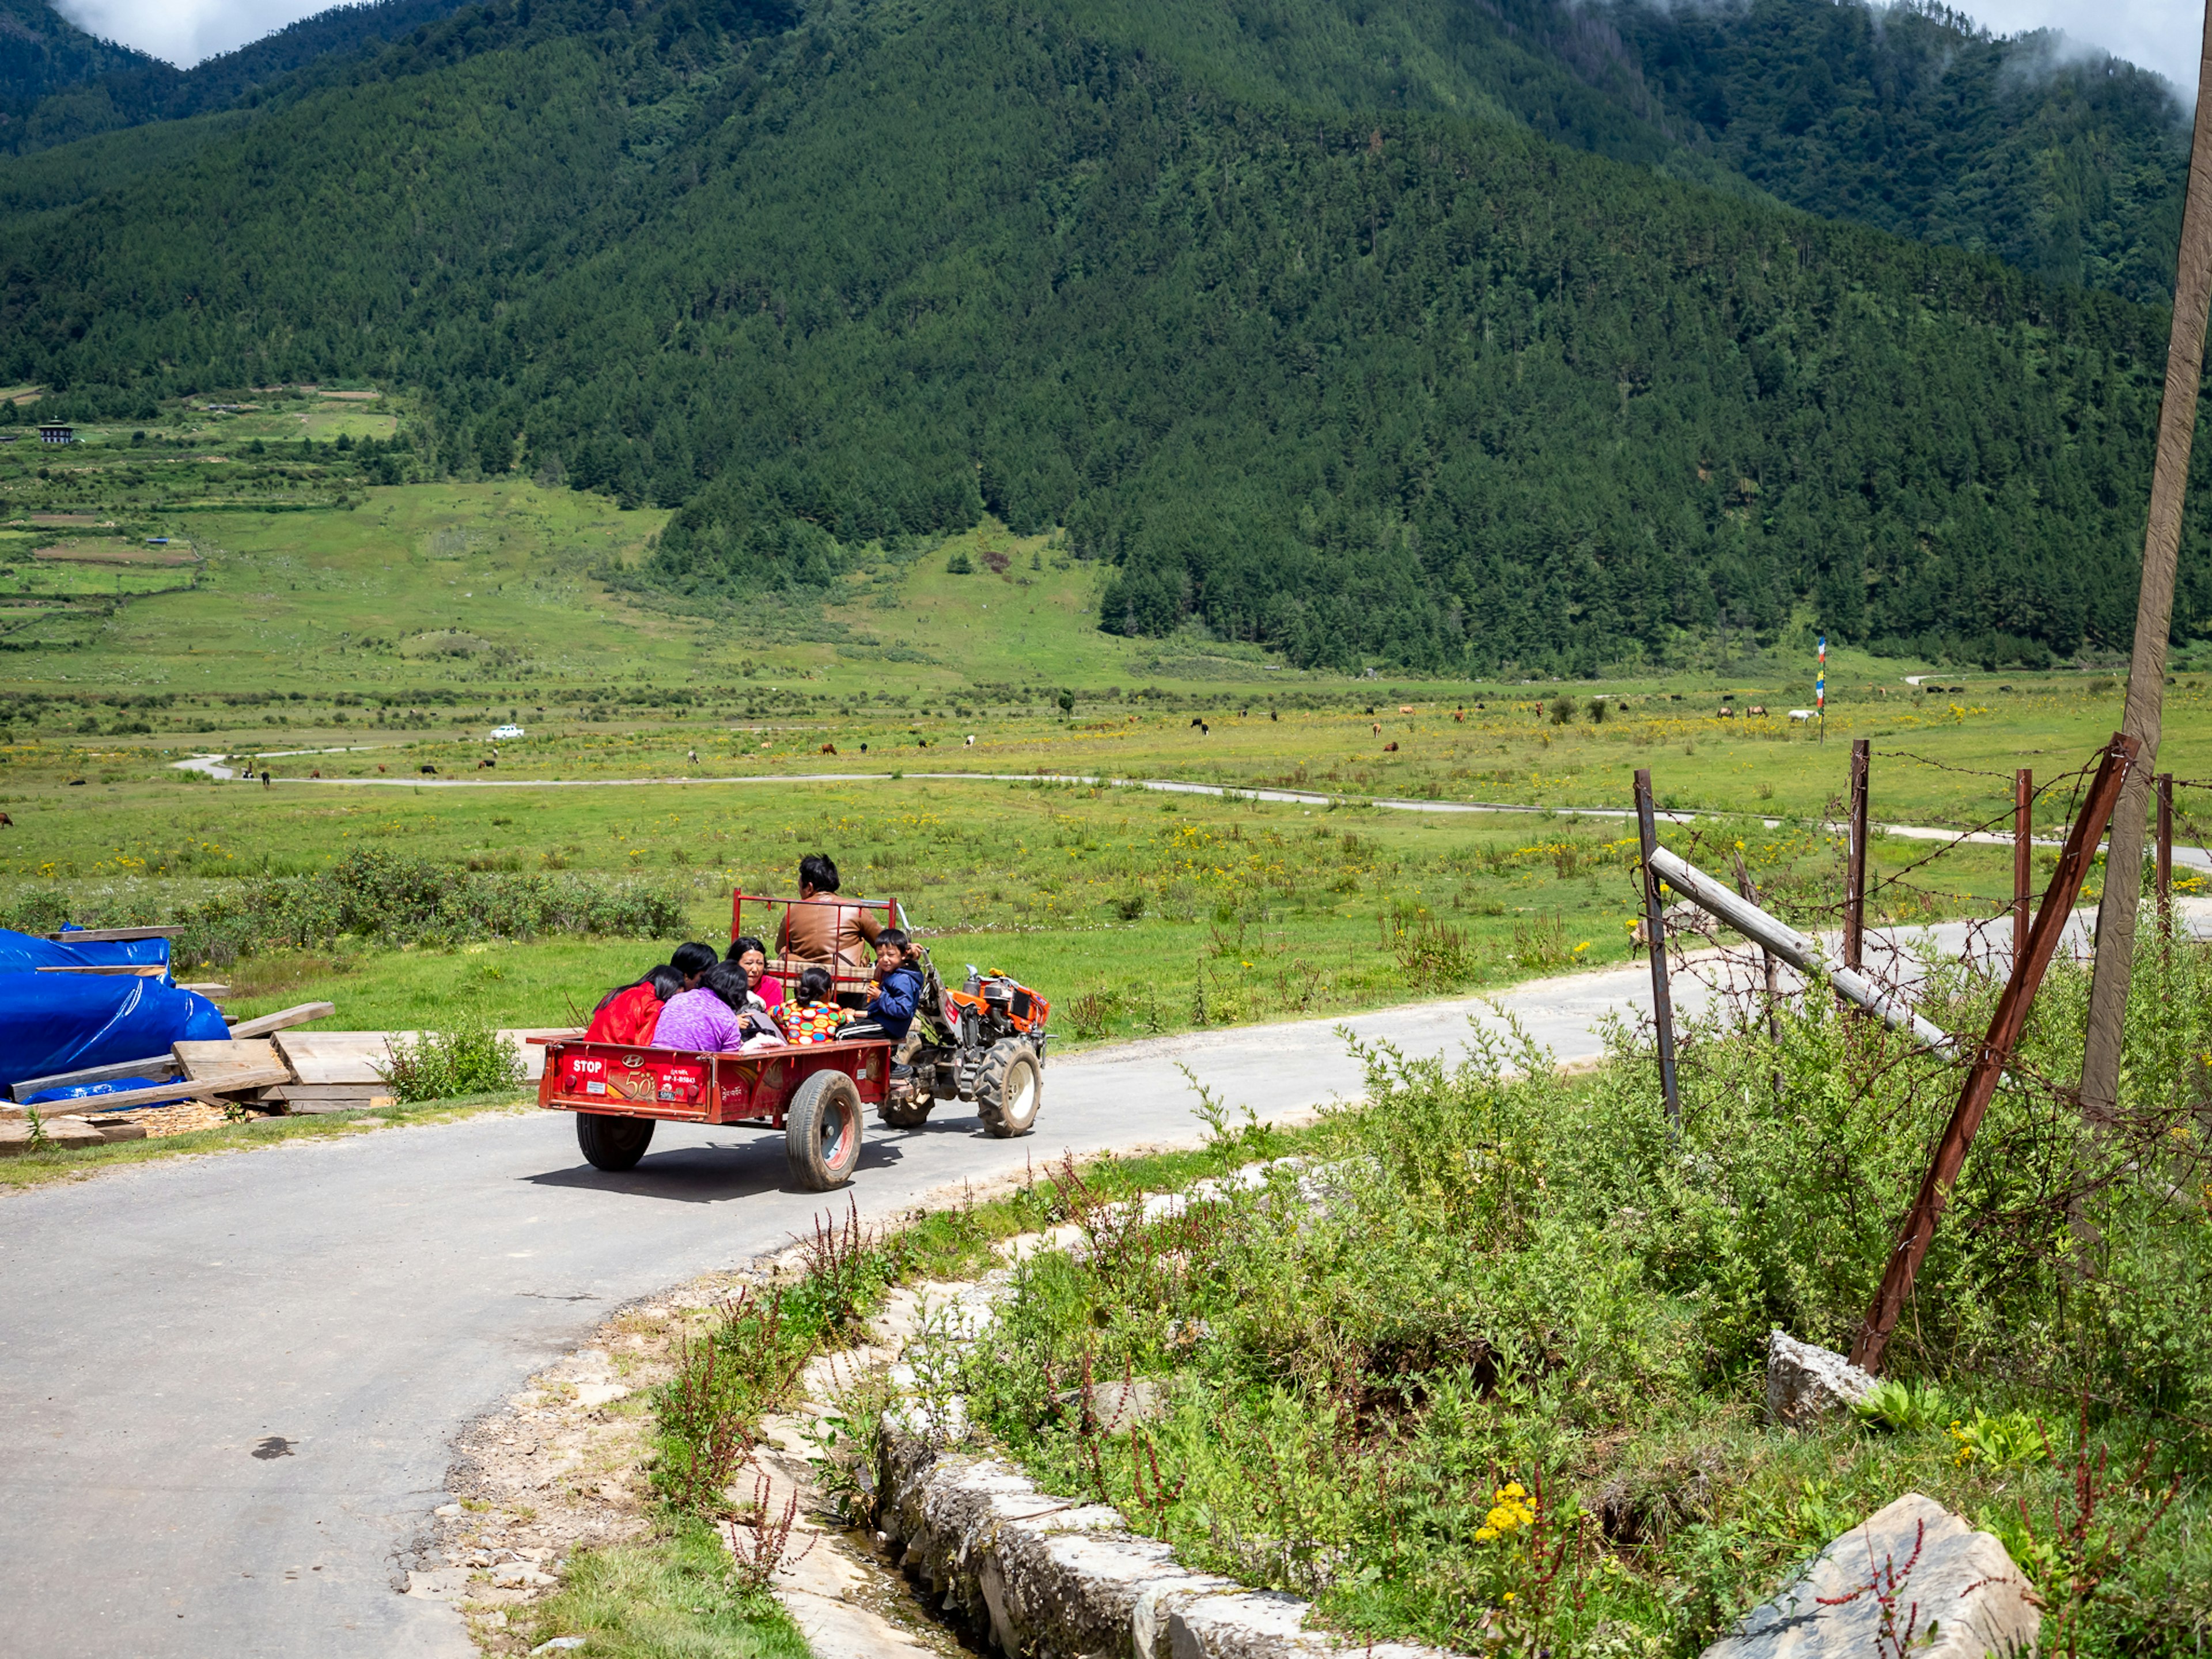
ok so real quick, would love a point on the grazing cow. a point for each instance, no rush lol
(1389, 748)
(1726, 712)
(1378, 728)
(379, 769)
(6, 823)
(317, 773)
(763, 743)
(1196, 721)
(692, 759)
(864, 749)
(1459, 715)
(970, 743)
(1273, 715)
(1759, 709)
(829, 748)
(428, 771)
(482, 764)
(1405, 708)
(1204, 730)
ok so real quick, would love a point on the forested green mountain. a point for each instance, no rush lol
(1357, 382)
(58, 83)
(2069, 163)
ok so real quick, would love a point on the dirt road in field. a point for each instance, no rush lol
(216, 767)
(235, 1381)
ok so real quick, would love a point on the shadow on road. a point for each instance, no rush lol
(713, 1172)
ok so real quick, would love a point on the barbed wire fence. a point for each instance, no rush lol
(1926, 940)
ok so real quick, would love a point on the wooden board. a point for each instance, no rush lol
(102, 935)
(115, 1103)
(158, 1066)
(144, 970)
(283, 1019)
(335, 1057)
(228, 1067)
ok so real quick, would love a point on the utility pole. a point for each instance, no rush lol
(2177, 428)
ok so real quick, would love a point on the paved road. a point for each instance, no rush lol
(360, 1301)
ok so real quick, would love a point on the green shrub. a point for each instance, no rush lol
(443, 1065)
(385, 898)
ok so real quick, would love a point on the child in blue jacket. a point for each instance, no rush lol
(897, 993)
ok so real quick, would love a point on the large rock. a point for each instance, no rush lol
(1957, 1588)
(1805, 1385)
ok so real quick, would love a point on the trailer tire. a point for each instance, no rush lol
(1010, 1091)
(822, 1132)
(613, 1143)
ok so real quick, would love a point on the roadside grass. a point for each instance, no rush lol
(669, 1597)
(1494, 1378)
(38, 1169)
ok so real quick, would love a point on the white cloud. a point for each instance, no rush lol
(2158, 34)
(185, 31)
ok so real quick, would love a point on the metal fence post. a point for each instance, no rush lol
(1993, 1054)
(1654, 927)
(2023, 852)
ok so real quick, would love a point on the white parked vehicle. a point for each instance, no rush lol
(506, 734)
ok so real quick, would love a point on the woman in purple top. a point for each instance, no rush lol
(715, 1019)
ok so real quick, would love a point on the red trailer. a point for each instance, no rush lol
(814, 1094)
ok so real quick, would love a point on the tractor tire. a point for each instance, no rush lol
(905, 1113)
(822, 1132)
(1010, 1089)
(613, 1143)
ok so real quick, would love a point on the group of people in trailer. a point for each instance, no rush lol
(733, 1005)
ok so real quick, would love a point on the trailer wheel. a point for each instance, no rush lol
(1010, 1091)
(613, 1143)
(822, 1131)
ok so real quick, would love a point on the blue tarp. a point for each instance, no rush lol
(23, 953)
(52, 1022)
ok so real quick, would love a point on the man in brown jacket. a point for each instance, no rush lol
(819, 928)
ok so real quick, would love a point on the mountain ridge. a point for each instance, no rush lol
(1417, 386)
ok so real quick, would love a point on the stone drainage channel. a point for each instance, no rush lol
(1016, 1569)
(969, 1556)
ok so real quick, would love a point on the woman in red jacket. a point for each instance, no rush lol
(629, 1013)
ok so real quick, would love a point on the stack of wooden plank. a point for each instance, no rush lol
(247, 1069)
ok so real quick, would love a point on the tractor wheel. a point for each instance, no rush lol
(1008, 1092)
(613, 1143)
(822, 1132)
(906, 1113)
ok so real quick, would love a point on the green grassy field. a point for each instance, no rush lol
(367, 642)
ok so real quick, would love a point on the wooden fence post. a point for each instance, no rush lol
(2023, 851)
(1994, 1054)
(1855, 864)
(1654, 927)
(2166, 855)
